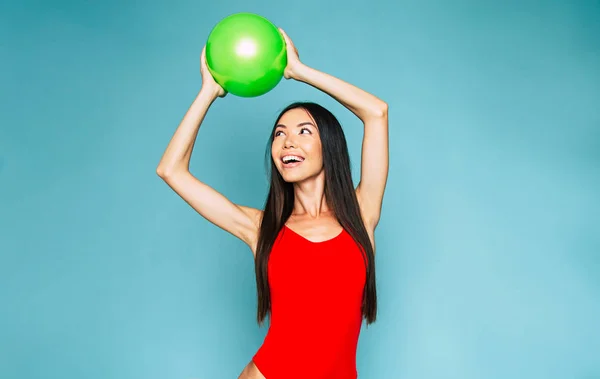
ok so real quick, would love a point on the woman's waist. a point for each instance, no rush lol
(325, 353)
(320, 335)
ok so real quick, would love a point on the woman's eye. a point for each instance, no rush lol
(303, 129)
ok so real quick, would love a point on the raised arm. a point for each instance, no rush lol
(373, 112)
(243, 222)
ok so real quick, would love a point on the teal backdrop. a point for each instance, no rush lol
(489, 242)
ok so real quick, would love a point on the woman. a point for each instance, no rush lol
(313, 244)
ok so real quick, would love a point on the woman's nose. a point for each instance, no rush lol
(289, 142)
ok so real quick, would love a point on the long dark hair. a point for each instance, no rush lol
(340, 196)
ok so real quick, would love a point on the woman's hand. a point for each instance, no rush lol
(293, 59)
(208, 82)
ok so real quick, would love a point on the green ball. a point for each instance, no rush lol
(246, 54)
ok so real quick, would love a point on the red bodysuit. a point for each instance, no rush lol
(316, 296)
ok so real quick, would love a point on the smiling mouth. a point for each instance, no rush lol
(292, 161)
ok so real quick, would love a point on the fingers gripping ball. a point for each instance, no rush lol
(246, 54)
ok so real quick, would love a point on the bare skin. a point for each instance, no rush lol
(251, 372)
(296, 135)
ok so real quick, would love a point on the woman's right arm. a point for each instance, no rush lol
(243, 222)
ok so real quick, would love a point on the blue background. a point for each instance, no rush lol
(489, 242)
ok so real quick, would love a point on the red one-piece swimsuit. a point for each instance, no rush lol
(316, 296)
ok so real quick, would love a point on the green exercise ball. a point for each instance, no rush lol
(246, 54)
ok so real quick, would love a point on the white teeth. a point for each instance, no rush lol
(289, 158)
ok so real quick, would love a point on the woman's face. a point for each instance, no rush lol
(296, 148)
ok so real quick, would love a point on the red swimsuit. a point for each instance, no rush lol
(316, 295)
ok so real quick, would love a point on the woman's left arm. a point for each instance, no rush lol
(373, 112)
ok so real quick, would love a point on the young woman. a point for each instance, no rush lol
(313, 244)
